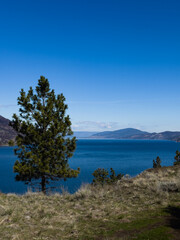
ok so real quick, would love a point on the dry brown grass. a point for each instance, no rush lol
(91, 211)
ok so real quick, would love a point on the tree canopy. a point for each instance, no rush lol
(44, 141)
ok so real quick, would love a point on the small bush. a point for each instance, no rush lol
(113, 177)
(177, 158)
(101, 176)
(157, 163)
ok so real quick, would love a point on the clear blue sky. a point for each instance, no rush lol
(116, 61)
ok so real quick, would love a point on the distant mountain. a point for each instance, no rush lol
(131, 133)
(6, 132)
(122, 133)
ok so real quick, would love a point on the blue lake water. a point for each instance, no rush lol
(125, 156)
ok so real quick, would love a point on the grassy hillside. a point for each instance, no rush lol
(145, 207)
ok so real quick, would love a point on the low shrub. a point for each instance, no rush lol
(177, 158)
(157, 163)
(102, 176)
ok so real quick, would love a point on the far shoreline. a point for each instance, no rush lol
(114, 139)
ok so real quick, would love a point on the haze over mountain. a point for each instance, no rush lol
(83, 134)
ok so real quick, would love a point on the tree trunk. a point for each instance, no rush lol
(43, 184)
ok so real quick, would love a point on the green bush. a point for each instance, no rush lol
(102, 176)
(157, 163)
(177, 158)
(113, 177)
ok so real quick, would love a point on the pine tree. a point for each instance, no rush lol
(113, 177)
(44, 142)
(100, 176)
(177, 158)
(157, 163)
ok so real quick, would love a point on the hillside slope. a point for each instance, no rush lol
(6, 132)
(144, 207)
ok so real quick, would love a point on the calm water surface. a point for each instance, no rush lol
(125, 156)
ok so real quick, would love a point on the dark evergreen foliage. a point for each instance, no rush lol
(157, 163)
(177, 158)
(114, 177)
(101, 176)
(43, 142)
